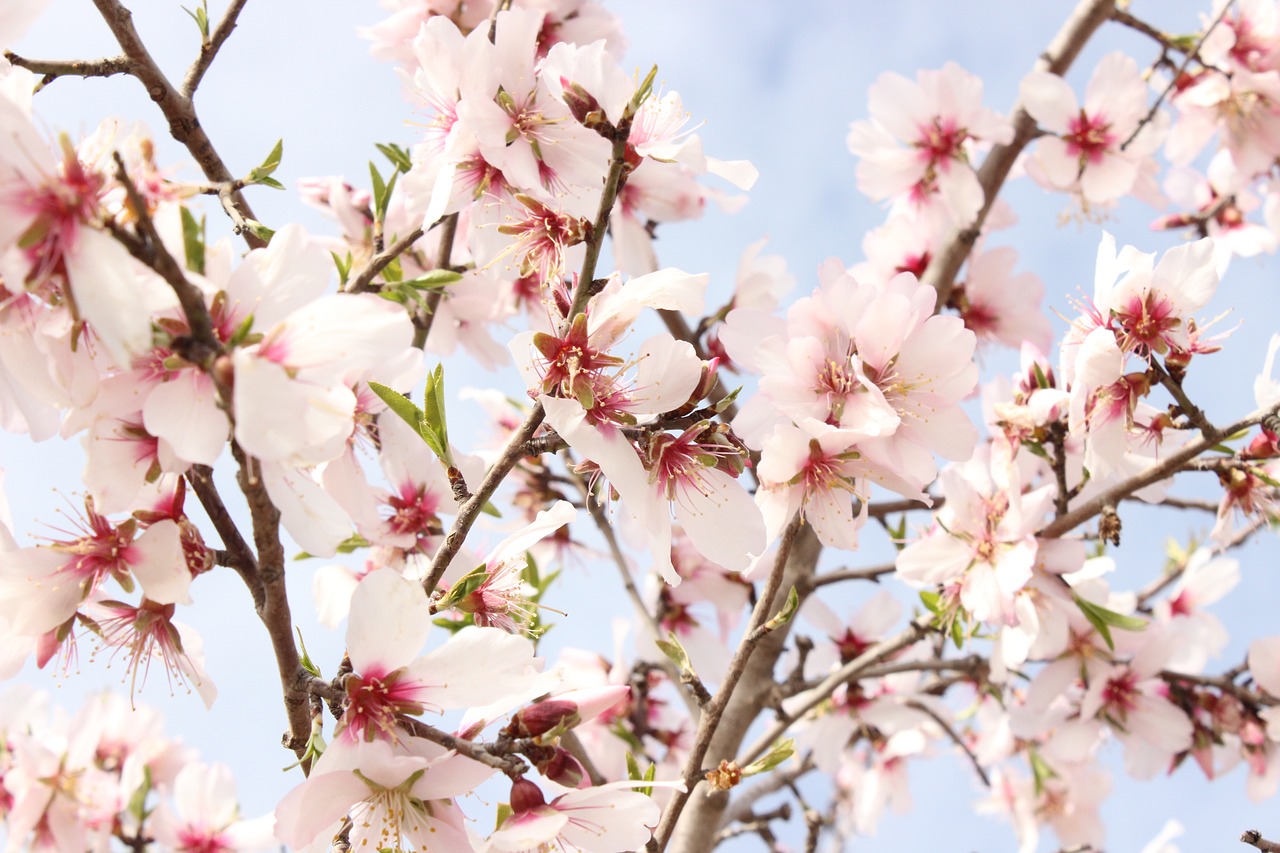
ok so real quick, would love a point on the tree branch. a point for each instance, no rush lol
(714, 712)
(184, 124)
(363, 282)
(1254, 838)
(1153, 474)
(52, 69)
(209, 49)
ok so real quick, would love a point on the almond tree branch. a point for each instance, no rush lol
(1177, 75)
(52, 69)
(1254, 838)
(513, 452)
(637, 601)
(1166, 467)
(184, 124)
(1062, 52)
(422, 327)
(363, 282)
(955, 738)
(274, 610)
(714, 712)
(154, 254)
(239, 555)
(851, 670)
(209, 49)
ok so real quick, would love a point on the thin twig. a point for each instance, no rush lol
(954, 735)
(363, 282)
(422, 327)
(854, 668)
(1153, 474)
(240, 556)
(154, 254)
(871, 573)
(209, 49)
(1177, 75)
(52, 69)
(508, 764)
(1192, 412)
(1254, 838)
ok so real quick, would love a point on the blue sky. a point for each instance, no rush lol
(775, 83)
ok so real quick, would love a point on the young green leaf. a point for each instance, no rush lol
(788, 610)
(193, 240)
(398, 156)
(268, 166)
(1103, 620)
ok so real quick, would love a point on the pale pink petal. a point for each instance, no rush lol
(388, 623)
(161, 567)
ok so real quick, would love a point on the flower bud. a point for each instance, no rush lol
(563, 769)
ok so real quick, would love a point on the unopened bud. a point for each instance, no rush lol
(526, 796)
(563, 769)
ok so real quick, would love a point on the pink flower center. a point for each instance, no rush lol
(1089, 137)
(375, 699)
(1147, 323)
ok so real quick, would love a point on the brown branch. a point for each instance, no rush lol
(274, 610)
(209, 49)
(885, 508)
(479, 752)
(422, 328)
(1192, 412)
(1254, 838)
(637, 601)
(52, 69)
(571, 744)
(851, 670)
(954, 735)
(1062, 52)
(871, 573)
(740, 809)
(714, 712)
(1177, 75)
(363, 282)
(239, 556)
(184, 124)
(1223, 683)
(1153, 474)
(154, 254)
(513, 452)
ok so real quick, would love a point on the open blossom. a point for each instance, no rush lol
(1084, 152)
(205, 818)
(920, 139)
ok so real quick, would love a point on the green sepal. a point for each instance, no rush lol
(782, 750)
(306, 661)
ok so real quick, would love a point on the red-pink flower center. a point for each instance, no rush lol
(1089, 137)
(375, 699)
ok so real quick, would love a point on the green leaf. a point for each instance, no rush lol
(306, 661)
(788, 611)
(201, 17)
(1103, 620)
(259, 230)
(504, 812)
(434, 280)
(957, 633)
(400, 404)
(268, 165)
(379, 193)
(241, 333)
(634, 775)
(672, 648)
(398, 156)
(931, 600)
(269, 182)
(727, 400)
(138, 799)
(433, 406)
(490, 509)
(343, 265)
(464, 586)
(193, 241)
(781, 751)
(1041, 771)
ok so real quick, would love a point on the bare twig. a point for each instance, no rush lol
(871, 573)
(954, 735)
(153, 253)
(209, 49)
(508, 764)
(1254, 838)
(422, 327)
(239, 556)
(52, 69)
